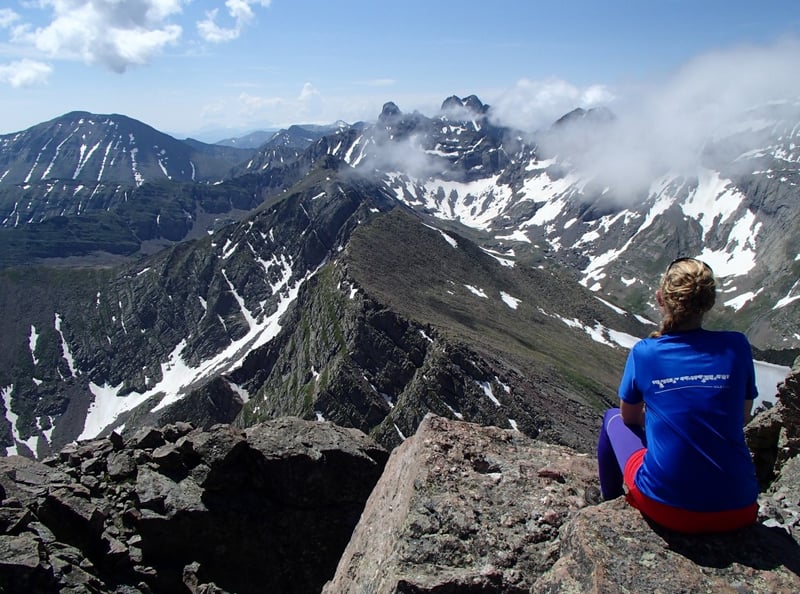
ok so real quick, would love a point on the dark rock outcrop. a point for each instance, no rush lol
(774, 439)
(178, 509)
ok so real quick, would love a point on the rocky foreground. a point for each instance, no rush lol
(298, 506)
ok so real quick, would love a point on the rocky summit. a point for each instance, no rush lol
(457, 508)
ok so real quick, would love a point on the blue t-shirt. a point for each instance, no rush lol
(694, 385)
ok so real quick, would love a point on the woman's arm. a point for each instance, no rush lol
(632, 414)
(748, 411)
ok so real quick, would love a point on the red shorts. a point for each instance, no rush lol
(683, 520)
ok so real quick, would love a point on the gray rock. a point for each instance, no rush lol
(611, 548)
(120, 465)
(20, 566)
(168, 457)
(162, 494)
(465, 508)
(147, 438)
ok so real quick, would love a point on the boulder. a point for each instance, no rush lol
(465, 508)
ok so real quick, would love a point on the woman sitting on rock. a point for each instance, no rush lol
(685, 462)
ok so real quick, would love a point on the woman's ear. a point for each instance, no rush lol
(659, 298)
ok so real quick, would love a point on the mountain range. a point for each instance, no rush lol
(367, 274)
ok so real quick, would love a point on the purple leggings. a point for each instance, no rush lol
(617, 443)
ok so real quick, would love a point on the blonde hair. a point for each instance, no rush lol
(688, 291)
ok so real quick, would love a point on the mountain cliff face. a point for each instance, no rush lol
(418, 264)
(322, 304)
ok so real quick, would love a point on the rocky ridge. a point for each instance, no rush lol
(456, 508)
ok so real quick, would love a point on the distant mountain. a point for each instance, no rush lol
(287, 145)
(110, 149)
(383, 270)
(295, 136)
(252, 140)
(86, 183)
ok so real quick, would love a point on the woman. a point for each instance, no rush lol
(684, 462)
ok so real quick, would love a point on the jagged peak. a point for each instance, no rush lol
(457, 105)
(389, 111)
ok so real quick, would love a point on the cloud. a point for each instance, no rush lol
(659, 128)
(7, 18)
(406, 155)
(24, 73)
(531, 105)
(115, 34)
(308, 92)
(256, 110)
(253, 104)
(240, 11)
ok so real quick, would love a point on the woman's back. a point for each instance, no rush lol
(694, 385)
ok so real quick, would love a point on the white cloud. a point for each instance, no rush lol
(24, 73)
(112, 33)
(532, 104)
(213, 33)
(310, 103)
(663, 127)
(308, 92)
(252, 104)
(7, 18)
(240, 11)
(259, 110)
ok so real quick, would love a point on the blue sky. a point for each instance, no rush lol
(209, 69)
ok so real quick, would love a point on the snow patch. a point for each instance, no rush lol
(455, 413)
(178, 376)
(67, 354)
(400, 433)
(476, 291)
(789, 298)
(738, 302)
(33, 338)
(448, 239)
(510, 301)
(487, 389)
(619, 310)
